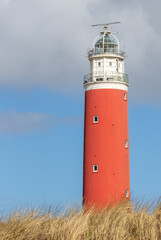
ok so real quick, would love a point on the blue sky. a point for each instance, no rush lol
(42, 63)
(44, 166)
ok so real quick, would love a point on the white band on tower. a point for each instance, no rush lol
(106, 85)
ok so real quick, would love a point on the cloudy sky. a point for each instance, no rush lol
(43, 57)
(45, 42)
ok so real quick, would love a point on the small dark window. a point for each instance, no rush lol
(125, 96)
(99, 64)
(95, 119)
(127, 193)
(126, 144)
(99, 79)
(95, 168)
(110, 63)
(109, 79)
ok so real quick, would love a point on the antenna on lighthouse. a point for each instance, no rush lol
(105, 24)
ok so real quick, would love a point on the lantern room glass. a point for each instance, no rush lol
(106, 43)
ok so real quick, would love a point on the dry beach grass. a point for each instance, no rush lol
(121, 222)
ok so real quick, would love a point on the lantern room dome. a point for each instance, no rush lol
(106, 43)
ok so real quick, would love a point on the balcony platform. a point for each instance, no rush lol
(106, 77)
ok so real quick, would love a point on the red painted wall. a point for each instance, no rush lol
(104, 145)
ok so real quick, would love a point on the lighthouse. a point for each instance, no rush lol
(106, 177)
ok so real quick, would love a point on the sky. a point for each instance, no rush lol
(43, 58)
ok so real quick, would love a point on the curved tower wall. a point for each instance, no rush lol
(106, 178)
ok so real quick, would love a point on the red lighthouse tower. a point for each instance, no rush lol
(106, 177)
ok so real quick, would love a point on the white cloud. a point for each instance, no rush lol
(44, 42)
(29, 122)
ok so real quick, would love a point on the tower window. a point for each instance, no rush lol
(99, 64)
(99, 79)
(126, 144)
(127, 193)
(125, 96)
(110, 63)
(95, 119)
(95, 168)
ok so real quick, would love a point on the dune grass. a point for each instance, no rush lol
(137, 222)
